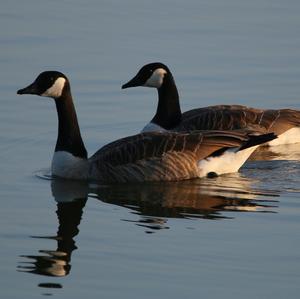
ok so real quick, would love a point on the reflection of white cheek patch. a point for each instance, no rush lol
(56, 89)
(156, 80)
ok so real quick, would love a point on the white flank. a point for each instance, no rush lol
(156, 79)
(289, 137)
(65, 165)
(56, 89)
(152, 127)
(230, 161)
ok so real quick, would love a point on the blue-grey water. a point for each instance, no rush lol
(235, 236)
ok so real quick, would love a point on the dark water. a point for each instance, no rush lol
(235, 236)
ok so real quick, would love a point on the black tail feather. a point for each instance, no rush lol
(257, 140)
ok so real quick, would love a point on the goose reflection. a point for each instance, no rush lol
(205, 198)
(288, 152)
(71, 198)
(153, 204)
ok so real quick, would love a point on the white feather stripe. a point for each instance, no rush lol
(230, 161)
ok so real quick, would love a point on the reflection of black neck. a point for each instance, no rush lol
(69, 137)
(57, 262)
(168, 114)
(69, 217)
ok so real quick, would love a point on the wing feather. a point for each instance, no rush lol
(234, 117)
(160, 156)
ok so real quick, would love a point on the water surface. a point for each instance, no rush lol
(235, 236)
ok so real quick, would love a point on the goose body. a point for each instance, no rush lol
(285, 123)
(150, 156)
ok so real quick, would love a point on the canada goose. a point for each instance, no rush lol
(144, 157)
(285, 123)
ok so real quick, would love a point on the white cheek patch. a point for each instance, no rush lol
(156, 80)
(56, 89)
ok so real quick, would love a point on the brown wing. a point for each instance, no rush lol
(222, 117)
(279, 121)
(159, 156)
(233, 117)
(147, 157)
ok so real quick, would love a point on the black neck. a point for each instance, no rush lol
(168, 113)
(69, 137)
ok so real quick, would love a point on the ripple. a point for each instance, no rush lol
(50, 285)
(44, 174)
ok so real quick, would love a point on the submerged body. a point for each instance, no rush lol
(285, 123)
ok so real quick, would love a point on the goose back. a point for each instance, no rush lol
(165, 156)
(233, 117)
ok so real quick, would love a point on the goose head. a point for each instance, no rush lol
(70, 155)
(47, 84)
(150, 75)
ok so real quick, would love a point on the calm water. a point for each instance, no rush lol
(235, 236)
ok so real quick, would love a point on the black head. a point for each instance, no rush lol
(150, 75)
(47, 84)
